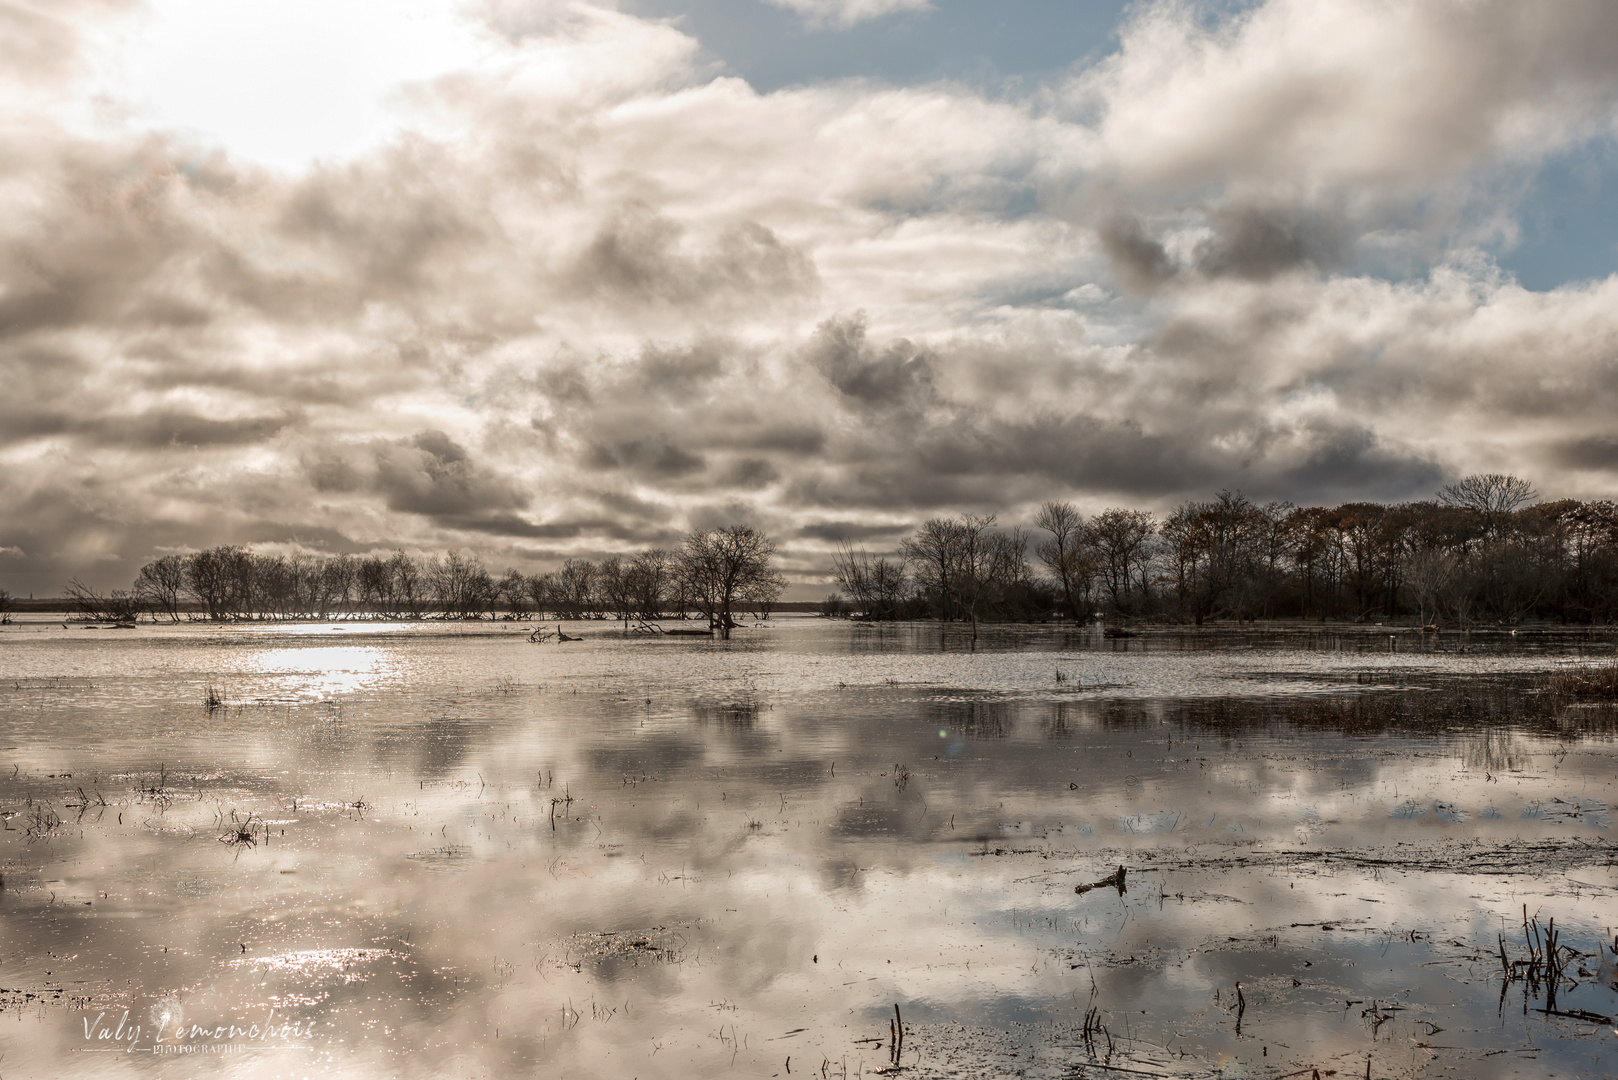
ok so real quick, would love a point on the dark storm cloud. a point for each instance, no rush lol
(1259, 242)
(143, 431)
(1139, 262)
(638, 257)
(1598, 452)
(852, 531)
(170, 429)
(896, 377)
(750, 474)
(432, 475)
(427, 475)
(652, 458)
(678, 372)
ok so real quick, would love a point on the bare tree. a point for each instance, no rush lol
(934, 555)
(576, 588)
(725, 566)
(877, 587)
(1066, 555)
(648, 578)
(6, 605)
(215, 579)
(407, 586)
(1494, 496)
(980, 563)
(120, 605)
(160, 584)
(1121, 539)
(1491, 493)
(1427, 576)
(374, 583)
(542, 590)
(617, 587)
(460, 584)
(338, 579)
(513, 589)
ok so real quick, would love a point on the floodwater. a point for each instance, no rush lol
(442, 850)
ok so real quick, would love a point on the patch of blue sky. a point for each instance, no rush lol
(988, 44)
(1568, 220)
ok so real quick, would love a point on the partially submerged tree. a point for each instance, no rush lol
(513, 589)
(725, 567)
(120, 605)
(160, 585)
(877, 587)
(648, 582)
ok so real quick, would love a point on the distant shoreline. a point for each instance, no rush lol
(59, 611)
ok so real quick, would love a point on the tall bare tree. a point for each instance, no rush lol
(1066, 555)
(160, 584)
(724, 567)
(1121, 538)
(648, 576)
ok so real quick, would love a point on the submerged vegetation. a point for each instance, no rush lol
(1598, 681)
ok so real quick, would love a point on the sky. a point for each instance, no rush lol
(545, 278)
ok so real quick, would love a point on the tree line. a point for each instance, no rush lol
(713, 574)
(1484, 550)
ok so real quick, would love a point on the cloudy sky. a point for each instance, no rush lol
(549, 277)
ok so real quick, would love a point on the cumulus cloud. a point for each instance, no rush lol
(595, 295)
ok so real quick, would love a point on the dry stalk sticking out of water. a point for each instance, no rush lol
(1545, 969)
(566, 799)
(213, 698)
(1094, 1029)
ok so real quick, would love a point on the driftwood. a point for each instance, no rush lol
(1116, 878)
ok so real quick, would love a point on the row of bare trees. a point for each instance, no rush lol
(1483, 550)
(713, 574)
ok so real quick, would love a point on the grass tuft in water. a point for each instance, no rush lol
(1597, 681)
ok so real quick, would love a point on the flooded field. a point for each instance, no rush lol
(820, 849)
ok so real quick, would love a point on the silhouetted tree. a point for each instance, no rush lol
(724, 567)
(1067, 555)
(160, 585)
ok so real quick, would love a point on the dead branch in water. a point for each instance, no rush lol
(1116, 878)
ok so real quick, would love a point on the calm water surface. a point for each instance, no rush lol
(442, 850)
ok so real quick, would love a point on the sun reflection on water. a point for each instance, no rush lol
(322, 671)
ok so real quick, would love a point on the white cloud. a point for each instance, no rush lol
(846, 13)
(286, 82)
